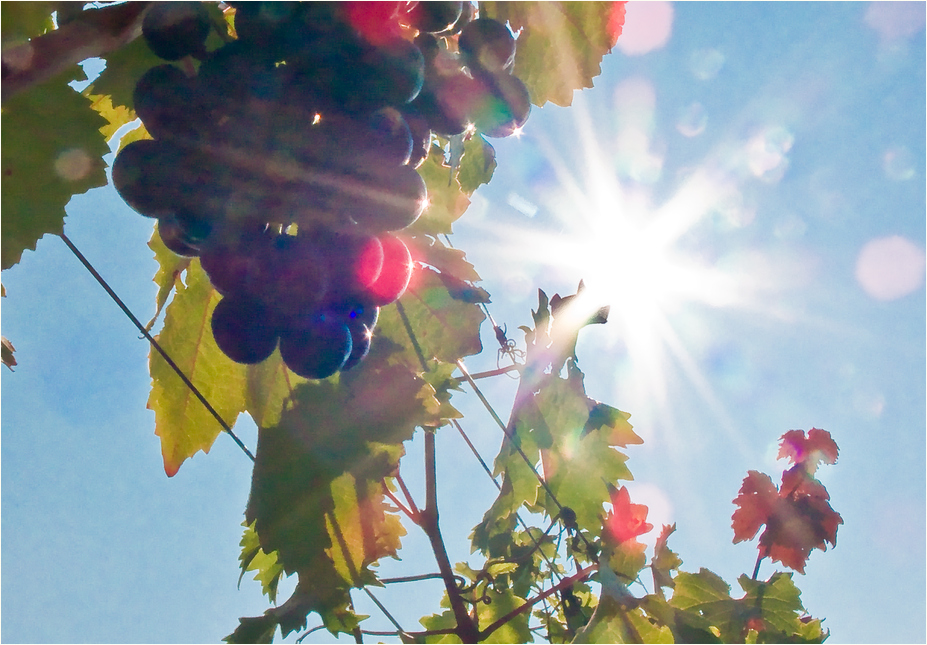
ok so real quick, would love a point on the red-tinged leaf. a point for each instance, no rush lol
(796, 527)
(818, 447)
(626, 520)
(755, 503)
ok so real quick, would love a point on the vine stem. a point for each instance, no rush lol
(466, 628)
(408, 512)
(154, 343)
(92, 33)
(579, 576)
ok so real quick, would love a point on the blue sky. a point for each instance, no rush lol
(744, 185)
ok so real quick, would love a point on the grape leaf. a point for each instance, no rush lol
(446, 201)
(260, 629)
(444, 328)
(315, 492)
(253, 558)
(429, 250)
(477, 164)
(808, 451)
(615, 621)
(626, 520)
(444, 620)
(562, 45)
(124, 66)
(20, 21)
(170, 267)
(115, 115)
(665, 560)
(776, 602)
(270, 384)
(501, 603)
(181, 420)
(707, 595)
(7, 353)
(52, 149)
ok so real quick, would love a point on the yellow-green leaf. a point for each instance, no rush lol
(562, 45)
(181, 420)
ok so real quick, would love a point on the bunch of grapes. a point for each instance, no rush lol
(286, 158)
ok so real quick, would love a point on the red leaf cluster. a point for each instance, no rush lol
(809, 451)
(626, 520)
(797, 515)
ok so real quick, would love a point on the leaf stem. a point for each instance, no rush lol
(408, 496)
(756, 569)
(466, 628)
(579, 576)
(408, 512)
(386, 613)
(154, 343)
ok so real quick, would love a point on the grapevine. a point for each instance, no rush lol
(289, 154)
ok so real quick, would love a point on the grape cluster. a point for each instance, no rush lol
(286, 158)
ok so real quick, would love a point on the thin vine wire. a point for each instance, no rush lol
(112, 294)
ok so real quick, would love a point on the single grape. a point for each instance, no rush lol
(487, 45)
(243, 329)
(447, 100)
(360, 346)
(420, 133)
(376, 22)
(354, 261)
(396, 273)
(175, 238)
(235, 264)
(317, 346)
(507, 107)
(174, 30)
(268, 26)
(435, 17)
(388, 198)
(144, 175)
(169, 104)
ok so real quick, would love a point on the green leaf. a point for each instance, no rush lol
(253, 558)
(501, 603)
(476, 165)
(24, 20)
(446, 201)
(430, 250)
(124, 66)
(444, 620)
(562, 45)
(614, 422)
(52, 149)
(181, 420)
(665, 560)
(707, 595)
(259, 629)
(444, 328)
(613, 621)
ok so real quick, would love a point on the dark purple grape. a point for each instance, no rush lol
(244, 329)
(360, 346)
(508, 108)
(354, 261)
(145, 176)
(174, 30)
(421, 135)
(435, 17)
(168, 104)
(487, 45)
(388, 198)
(175, 238)
(317, 347)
